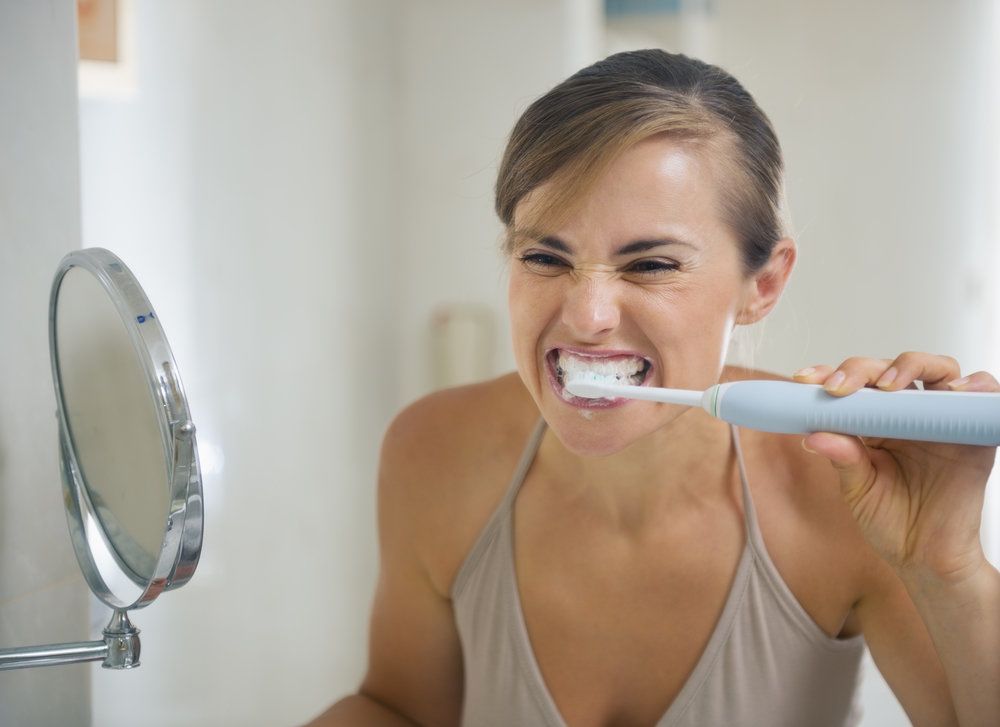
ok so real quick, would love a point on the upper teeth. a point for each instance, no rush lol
(617, 368)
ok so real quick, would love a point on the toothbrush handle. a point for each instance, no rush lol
(791, 408)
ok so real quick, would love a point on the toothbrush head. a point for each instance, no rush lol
(590, 386)
(593, 386)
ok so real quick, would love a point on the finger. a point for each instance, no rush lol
(979, 381)
(853, 374)
(813, 374)
(934, 371)
(849, 457)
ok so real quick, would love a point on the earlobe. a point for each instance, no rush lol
(768, 283)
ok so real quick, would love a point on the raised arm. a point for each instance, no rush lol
(920, 507)
(937, 643)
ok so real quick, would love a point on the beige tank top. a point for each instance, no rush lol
(767, 663)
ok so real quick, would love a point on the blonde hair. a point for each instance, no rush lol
(570, 135)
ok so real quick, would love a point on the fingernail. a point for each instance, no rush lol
(810, 451)
(833, 383)
(808, 371)
(958, 382)
(887, 378)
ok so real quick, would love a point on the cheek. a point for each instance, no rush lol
(516, 297)
(687, 316)
(527, 317)
(530, 307)
(531, 300)
(661, 311)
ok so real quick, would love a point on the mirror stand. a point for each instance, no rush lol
(127, 450)
(118, 650)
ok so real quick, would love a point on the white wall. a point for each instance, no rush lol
(247, 184)
(469, 70)
(42, 594)
(886, 114)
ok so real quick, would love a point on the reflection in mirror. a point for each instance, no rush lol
(113, 425)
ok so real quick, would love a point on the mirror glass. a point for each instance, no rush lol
(112, 421)
(131, 479)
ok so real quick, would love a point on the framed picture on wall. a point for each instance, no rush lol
(106, 50)
(97, 30)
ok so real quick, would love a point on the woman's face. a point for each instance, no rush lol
(643, 281)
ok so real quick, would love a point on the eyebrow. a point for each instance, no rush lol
(631, 248)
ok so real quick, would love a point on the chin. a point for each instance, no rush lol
(597, 433)
(588, 444)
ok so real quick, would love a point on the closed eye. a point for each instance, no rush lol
(646, 269)
(544, 263)
(650, 268)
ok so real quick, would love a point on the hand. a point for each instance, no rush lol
(919, 504)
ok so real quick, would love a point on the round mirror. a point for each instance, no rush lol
(130, 471)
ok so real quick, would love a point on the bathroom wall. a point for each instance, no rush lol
(469, 69)
(247, 180)
(43, 597)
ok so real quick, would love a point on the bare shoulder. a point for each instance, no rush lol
(783, 460)
(781, 456)
(804, 519)
(446, 460)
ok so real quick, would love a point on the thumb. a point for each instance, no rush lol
(848, 455)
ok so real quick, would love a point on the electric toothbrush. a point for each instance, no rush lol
(786, 407)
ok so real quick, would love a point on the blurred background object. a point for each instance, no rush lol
(463, 344)
(97, 30)
(322, 171)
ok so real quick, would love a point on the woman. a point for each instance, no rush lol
(547, 560)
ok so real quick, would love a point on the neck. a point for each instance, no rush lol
(684, 464)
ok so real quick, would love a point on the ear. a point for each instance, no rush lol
(764, 288)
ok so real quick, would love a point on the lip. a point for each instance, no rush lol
(581, 402)
(597, 353)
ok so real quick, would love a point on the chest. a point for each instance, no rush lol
(616, 625)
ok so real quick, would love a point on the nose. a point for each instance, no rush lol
(591, 310)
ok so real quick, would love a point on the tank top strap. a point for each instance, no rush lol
(785, 600)
(523, 465)
(754, 536)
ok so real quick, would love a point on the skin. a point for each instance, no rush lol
(617, 603)
(920, 507)
(676, 304)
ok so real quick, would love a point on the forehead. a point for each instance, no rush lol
(658, 186)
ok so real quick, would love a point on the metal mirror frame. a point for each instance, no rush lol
(181, 547)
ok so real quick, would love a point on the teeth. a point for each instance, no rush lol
(620, 369)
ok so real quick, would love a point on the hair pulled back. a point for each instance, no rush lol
(573, 132)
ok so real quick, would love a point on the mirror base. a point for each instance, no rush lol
(122, 639)
(119, 650)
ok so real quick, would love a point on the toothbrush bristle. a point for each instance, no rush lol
(587, 386)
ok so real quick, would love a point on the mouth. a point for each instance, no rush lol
(615, 368)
